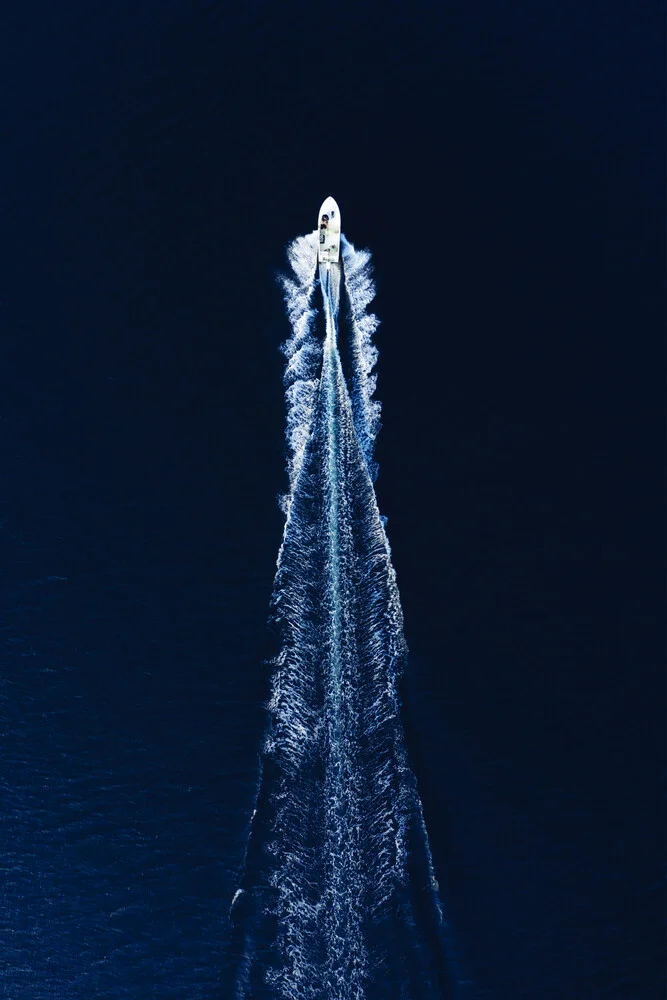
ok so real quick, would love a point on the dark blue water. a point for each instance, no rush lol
(125, 783)
(506, 168)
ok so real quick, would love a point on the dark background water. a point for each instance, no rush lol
(505, 164)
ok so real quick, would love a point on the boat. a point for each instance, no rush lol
(328, 225)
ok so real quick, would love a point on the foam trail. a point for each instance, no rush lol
(360, 290)
(338, 899)
(302, 349)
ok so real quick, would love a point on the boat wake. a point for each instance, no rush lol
(338, 898)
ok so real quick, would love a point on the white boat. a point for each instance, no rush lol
(328, 225)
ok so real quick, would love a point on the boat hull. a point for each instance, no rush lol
(328, 226)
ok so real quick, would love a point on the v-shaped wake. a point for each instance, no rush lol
(338, 899)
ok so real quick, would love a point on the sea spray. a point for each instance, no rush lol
(302, 349)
